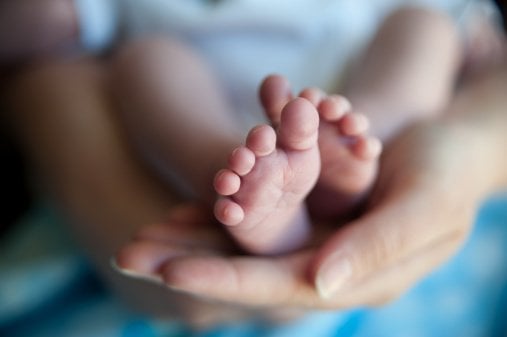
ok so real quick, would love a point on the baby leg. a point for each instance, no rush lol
(267, 181)
(408, 71)
(406, 74)
(176, 113)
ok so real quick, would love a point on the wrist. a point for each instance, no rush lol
(477, 117)
(479, 162)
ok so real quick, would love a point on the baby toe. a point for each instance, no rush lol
(314, 95)
(333, 108)
(354, 124)
(226, 182)
(367, 148)
(242, 160)
(261, 140)
(274, 92)
(299, 125)
(228, 212)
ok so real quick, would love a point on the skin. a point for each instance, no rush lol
(102, 188)
(408, 237)
(348, 153)
(93, 177)
(266, 213)
(402, 255)
(268, 179)
(156, 82)
(36, 27)
(154, 77)
(273, 189)
(407, 72)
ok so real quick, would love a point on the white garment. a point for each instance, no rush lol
(309, 41)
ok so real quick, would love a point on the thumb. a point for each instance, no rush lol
(384, 236)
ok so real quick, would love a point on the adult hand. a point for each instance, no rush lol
(432, 178)
(416, 220)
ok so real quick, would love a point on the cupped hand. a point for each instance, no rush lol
(416, 220)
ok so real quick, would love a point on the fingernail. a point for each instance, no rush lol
(135, 274)
(332, 276)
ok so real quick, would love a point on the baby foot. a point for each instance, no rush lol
(349, 159)
(268, 179)
(349, 155)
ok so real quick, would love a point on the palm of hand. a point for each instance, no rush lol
(415, 221)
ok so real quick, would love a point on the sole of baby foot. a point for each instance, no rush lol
(264, 187)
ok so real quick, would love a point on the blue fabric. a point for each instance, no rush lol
(98, 23)
(47, 289)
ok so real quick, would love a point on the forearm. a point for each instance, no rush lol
(479, 111)
(482, 106)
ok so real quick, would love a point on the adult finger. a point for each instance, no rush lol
(284, 281)
(253, 281)
(390, 283)
(187, 230)
(187, 225)
(392, 232)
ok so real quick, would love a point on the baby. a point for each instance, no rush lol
(184, 78)
(313, 156)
